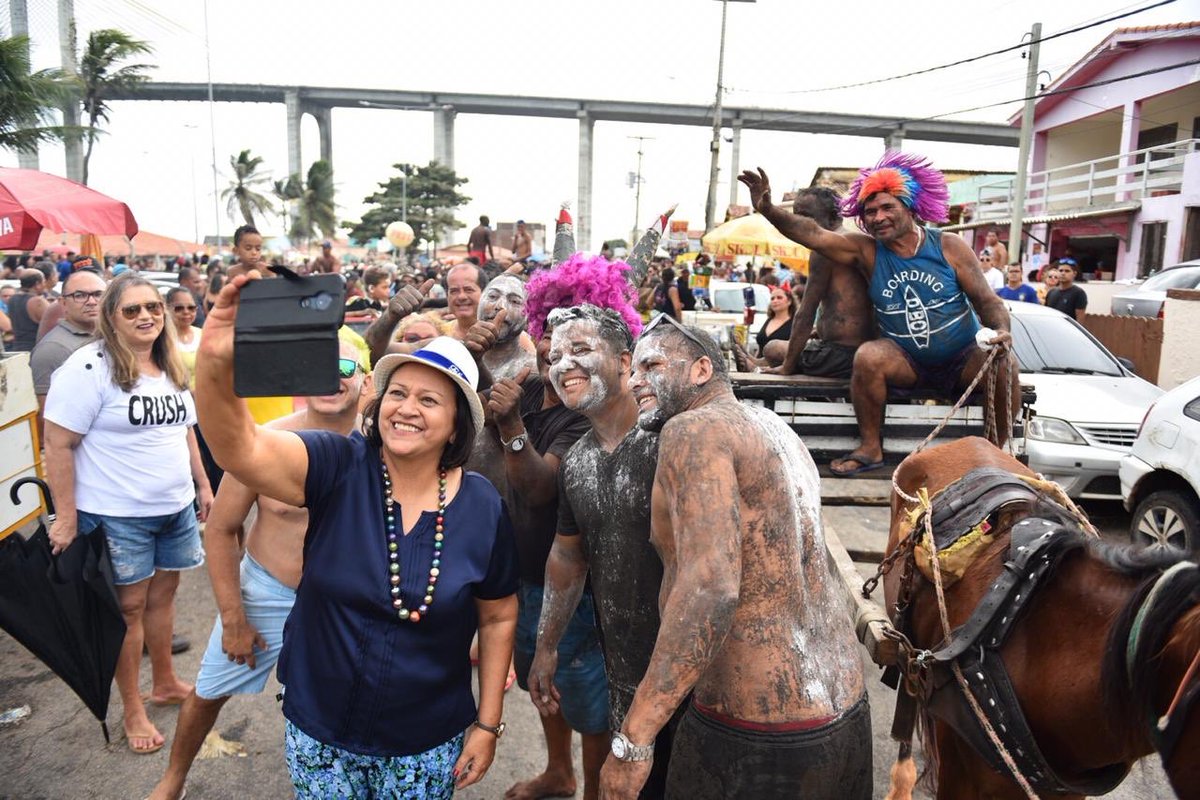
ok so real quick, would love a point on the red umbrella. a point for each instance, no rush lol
(31, 200)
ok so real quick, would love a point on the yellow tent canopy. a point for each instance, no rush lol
(752, 235)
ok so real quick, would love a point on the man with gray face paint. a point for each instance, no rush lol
(512, 350)
(603, 520)
(754, 621)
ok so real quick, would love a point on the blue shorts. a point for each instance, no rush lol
(321, 771)
(267, 603)
(580, 676)
(140, 545)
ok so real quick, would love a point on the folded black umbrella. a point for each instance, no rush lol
(64, 608)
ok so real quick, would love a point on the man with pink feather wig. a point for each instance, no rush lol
(927, 288)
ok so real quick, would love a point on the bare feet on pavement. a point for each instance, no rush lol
(544, 785)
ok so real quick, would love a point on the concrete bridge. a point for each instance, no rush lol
(320, 102)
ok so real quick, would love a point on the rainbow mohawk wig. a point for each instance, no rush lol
(909, 178)
(581, 279)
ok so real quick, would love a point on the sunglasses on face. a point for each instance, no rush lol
(181, 308)
(131, 312)
(83, 297)
(347, 367)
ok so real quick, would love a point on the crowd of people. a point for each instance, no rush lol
(549, 463)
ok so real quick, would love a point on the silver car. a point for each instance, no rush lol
(1088, 405)
(1147, 298)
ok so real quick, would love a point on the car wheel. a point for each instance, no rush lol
(1167, 518)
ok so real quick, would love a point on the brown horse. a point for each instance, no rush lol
(1066, 655)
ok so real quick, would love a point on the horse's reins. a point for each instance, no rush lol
(918, 659)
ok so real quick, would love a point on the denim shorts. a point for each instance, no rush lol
(580, 676)
(140, 545)
(267, 603)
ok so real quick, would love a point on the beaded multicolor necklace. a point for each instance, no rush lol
(389, 515)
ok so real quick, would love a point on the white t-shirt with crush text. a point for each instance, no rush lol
(133, 460)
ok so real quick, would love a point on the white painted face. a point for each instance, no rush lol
(583, 369)
(505, 292)
(661, 382)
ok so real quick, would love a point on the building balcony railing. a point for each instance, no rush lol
(1106, 181)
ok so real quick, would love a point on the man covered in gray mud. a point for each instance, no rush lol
(754, 624)
(603, 520)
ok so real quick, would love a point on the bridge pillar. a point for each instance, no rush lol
(18, 10)
(734, 170)
(291, 99)
(583, 219)
(324, 117)
(443, 135)
(895, 139)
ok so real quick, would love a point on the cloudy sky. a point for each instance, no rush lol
(779, 54)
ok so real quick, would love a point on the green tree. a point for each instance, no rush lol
(287, 192)
(432, 198)
(28, 100)
(242, 194)
(314, 208)
(101, 73)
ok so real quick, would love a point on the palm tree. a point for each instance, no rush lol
(287, 192)
(100, 75)
(315, 207)
(27, 100)
(241, 194)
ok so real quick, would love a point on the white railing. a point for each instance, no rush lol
(1101, 182)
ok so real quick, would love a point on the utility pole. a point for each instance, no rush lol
(66, 42)
(714, 147)
(1018, 198)
(637, 197)
(212, 131)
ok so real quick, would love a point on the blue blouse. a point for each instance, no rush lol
(357, 677)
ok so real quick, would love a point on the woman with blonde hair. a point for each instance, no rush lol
(417, 330)
(122, 457)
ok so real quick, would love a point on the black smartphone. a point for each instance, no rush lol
(286, 335)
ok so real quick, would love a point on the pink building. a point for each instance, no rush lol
(1115, 165)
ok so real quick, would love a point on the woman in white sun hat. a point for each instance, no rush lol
(406, 556)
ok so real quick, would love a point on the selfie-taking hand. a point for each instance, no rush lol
(483, 335)
(504, 402)
(409, 299)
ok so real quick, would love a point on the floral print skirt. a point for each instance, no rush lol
(322, 772)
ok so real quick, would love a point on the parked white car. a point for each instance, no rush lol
(1088, 405)
(1160, 478)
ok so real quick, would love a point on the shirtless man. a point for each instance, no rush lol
(999, 251)
(479, 243)
(512, 350)
(522, 243)
(754, 624)
(926, 286)
(603, 519)
(248, 634)
(845, 320)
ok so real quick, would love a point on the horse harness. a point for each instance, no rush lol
(1036, 545)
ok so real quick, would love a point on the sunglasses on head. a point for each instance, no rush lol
(658, 321)
(183, 307)
(347, 367)
(131, 312)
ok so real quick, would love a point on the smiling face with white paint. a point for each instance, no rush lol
(667, 378)
(585, 369)
(505, 292)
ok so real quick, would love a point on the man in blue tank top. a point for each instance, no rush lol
(929, 293)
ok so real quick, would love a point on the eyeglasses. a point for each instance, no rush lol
(661, 318)
(131, 312)
(83, 297)
(179, 308)
(347, 367)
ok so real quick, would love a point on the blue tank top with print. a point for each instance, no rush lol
(919, 303)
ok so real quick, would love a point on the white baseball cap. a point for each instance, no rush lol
(448, 356)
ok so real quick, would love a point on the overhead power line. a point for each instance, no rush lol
(980, 57)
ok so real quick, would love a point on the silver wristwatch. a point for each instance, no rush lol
(517, 443)
(625, 750)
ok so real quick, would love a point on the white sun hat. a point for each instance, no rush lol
(448, 356)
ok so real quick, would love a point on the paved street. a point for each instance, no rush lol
(59, 752)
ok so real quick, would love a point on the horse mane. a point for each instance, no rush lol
(1134, 693)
